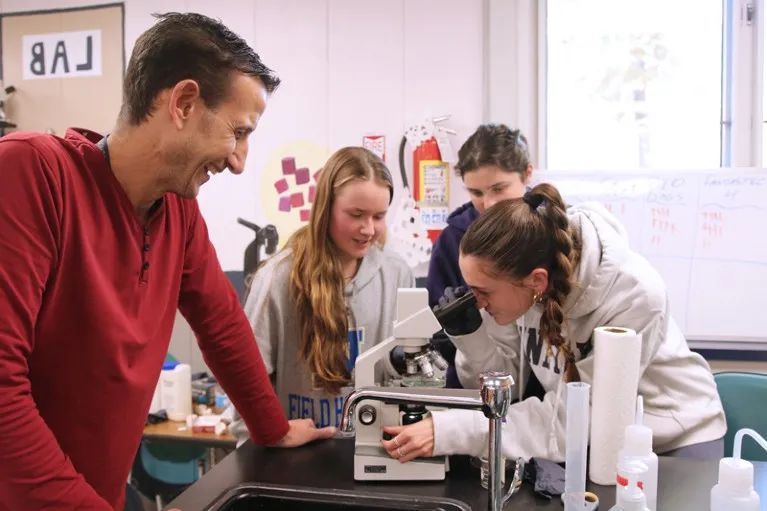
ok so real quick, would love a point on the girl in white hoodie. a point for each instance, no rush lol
(557, 274)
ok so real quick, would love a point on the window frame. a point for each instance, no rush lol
(741, 118)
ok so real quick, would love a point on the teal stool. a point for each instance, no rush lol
(743, 397)
(172, 463)
(161, 471)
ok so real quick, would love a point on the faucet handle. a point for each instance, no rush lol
(495, 391)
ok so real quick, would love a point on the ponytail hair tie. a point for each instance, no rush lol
(534, 200)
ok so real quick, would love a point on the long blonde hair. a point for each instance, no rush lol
(316, 279)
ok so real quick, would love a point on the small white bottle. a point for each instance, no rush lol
(631, 497)
(735, 489)
(156, 404)
(634, 498)
(637, 446)
(176, 390)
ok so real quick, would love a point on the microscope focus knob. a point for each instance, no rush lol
(367, 415)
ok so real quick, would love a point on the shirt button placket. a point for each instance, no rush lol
(145, 256)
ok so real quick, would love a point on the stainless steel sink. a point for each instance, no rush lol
(267, 497)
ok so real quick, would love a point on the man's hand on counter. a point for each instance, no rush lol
(303, 431)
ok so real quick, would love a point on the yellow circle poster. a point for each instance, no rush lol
(288, 184)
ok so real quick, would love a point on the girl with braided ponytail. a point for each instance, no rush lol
(554, 274)
(331, 293)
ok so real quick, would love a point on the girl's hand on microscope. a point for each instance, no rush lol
(411, 441)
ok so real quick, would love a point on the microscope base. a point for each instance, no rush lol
(370, 465)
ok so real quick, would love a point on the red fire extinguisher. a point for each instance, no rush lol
(430, 174)
(426, 150)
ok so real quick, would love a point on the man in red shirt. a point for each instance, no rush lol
(101, 240)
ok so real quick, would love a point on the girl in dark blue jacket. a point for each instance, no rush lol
(494, 164)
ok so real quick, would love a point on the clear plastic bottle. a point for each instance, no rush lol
(156, 404)
(631, 497)
(735, 489)
(176, 390)
(637, 446)
(634, 498)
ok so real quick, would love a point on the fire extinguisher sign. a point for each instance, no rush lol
(376, 144)
(433, 178)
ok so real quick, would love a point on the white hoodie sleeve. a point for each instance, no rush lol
(524, 432)
(534, 427)
(491, 347)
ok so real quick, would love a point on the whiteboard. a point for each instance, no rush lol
(704, 231)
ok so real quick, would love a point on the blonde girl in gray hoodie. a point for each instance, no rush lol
(556, 274)
(330, 294)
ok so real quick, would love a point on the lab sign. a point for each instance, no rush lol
(61, 55)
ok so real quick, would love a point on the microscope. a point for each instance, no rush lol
(413, 328)
(369, 408)
(266, 239)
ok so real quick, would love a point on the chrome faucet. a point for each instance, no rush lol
(494, 399)
(495, 390)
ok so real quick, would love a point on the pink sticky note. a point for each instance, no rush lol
(312, 193)
(302, 176)
(297, 200)
(305, 215)
(288, 165)
(284, 203)
(281, 185)
(316, 175)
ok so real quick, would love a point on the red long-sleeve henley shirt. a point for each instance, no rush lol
(88, 297)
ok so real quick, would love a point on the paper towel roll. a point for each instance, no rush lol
(613, 397)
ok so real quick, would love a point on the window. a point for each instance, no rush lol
(651, 84)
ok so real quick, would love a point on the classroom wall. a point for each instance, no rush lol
(355, 67)
(349, 68)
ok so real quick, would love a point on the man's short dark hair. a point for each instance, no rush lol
(187, 46)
